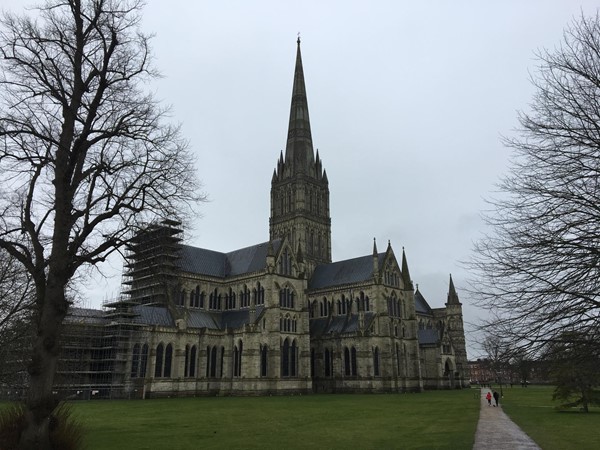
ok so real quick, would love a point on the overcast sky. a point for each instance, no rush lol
(408, 101)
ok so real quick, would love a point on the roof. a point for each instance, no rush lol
(196, 318)
(161, 316)
(153, 315)
(209, 262)
(220, 320)
(201, 261)
(203, 319)
(350, 271)
(421, 305)
(339, 324)
(428, 336)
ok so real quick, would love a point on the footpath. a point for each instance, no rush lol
(495, 431)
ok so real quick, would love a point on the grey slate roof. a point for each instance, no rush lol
(202, 261)
(153, 315)
(350, 271)
(421, 305)
(428, 336)
(339, 324)
(203, 319)
(239, 318)
(209, 262)
(161, 316)
(158, 315)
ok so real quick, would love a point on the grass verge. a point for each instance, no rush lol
(431, 420)
(534, 411)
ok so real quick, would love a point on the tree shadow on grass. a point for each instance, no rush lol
(577, 411)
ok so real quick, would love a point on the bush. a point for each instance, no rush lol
(66, 433)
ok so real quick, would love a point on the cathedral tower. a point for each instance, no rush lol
(299, 188)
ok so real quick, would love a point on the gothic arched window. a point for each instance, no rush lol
(143, 361)
(168, 360)
(192, 365)
(353, 360)
(158, 365)
(376, 362)
(263, 360)
(347, 371)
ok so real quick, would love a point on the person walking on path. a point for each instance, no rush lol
(496, 397)
(495, 430)
(489, 398)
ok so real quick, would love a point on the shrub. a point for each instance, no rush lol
(66, 433)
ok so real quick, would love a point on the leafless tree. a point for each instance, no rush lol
(498, 356)
(538, 270)
(86, 156)
(16, 301)
(15, 291)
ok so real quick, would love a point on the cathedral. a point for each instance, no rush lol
(278, 317)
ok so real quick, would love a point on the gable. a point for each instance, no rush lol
(390, 270)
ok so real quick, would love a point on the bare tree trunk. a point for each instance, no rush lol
(584, 399)
(40, 400)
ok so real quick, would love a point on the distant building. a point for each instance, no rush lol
(273, 318)
(481, 371)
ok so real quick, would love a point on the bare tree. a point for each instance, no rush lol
(15, 291)
(85, 157)
(498, 356)
(538, 271)
(16, 301)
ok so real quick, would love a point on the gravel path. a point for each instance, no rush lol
(495, 431)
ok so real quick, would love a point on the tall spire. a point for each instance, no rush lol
(299, 187)
(452, 295)
(299, 149)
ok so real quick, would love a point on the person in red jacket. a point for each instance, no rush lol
(489, 398)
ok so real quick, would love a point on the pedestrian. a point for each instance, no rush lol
(489, 398)
(496, 397)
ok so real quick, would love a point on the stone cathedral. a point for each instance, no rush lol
(279, 317)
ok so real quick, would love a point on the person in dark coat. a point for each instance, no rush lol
(496, 397)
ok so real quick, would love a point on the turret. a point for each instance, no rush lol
(452, 295)
(457, 333)
(375, 259)
(408, 285)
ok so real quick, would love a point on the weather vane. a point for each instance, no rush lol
(298, 37)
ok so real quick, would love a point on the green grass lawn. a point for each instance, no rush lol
(534, 411)
(430, 420)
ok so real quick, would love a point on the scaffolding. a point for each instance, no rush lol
(151, 264)
(94, 353)
(95, 360)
